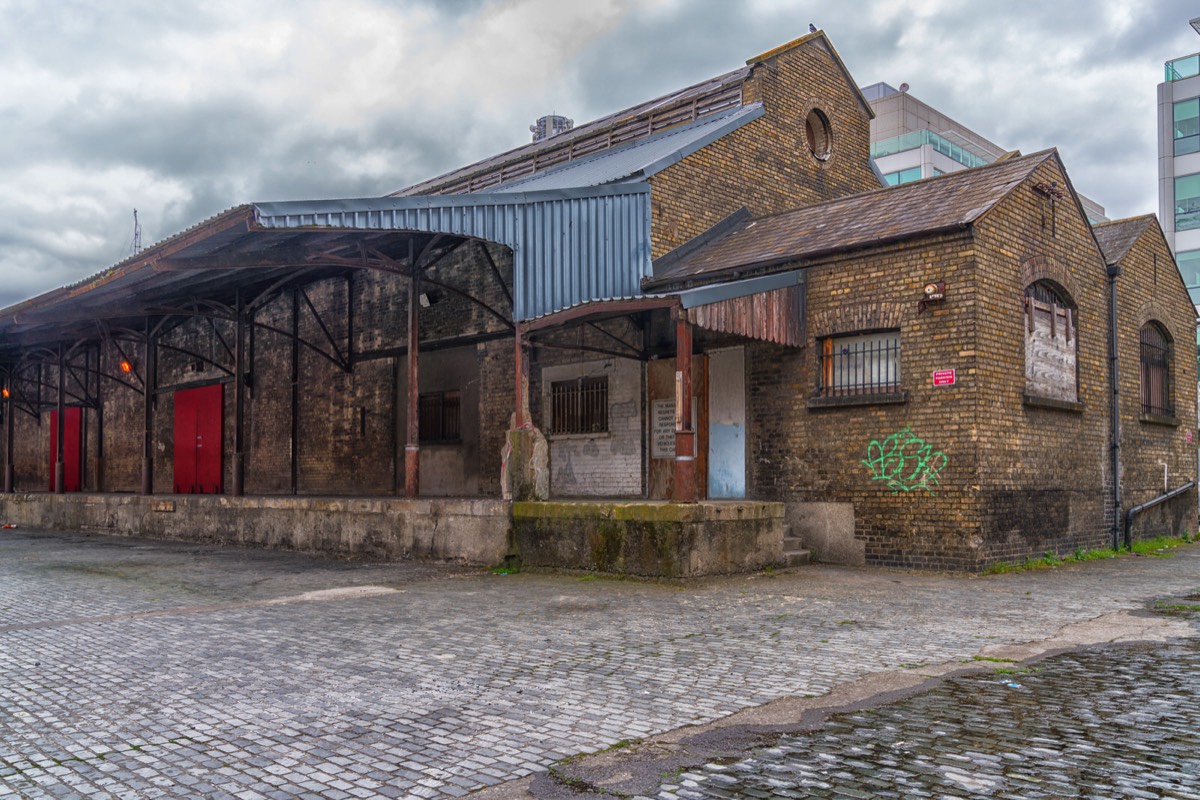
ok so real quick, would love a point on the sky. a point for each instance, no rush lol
(184, 109)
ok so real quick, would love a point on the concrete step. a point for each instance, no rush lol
(796, 558)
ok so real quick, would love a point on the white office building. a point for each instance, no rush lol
(1179, 163)
(911, 140)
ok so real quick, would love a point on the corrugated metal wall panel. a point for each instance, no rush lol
(569, 246)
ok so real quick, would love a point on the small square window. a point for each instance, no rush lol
(440, 417)
(579, 405)
(863, 364)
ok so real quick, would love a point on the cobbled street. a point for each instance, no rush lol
(136, 669)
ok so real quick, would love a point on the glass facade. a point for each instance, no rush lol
(903, 176)
(911, 141)
(1187, 202)
(1189, 268)
(1181, 68)
(1187, 126)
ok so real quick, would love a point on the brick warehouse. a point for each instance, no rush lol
(915, 376)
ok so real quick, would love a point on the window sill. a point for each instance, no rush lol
(1054, 404)
(845, 400)
(555, 437)
(1159, 419)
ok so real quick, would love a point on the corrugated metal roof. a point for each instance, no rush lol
(637, 160)
(570, 246)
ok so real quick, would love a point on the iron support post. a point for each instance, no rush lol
(684, 488)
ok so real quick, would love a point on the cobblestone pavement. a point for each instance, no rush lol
(138, 669)
(1118, 722)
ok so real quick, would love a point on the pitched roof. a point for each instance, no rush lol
(687, 105)
(705, 90)
(947, 202)
(637, 160)
(1118, 236)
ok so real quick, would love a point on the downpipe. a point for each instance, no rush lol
(1133, 512)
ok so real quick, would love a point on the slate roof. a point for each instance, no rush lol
(943, 203)
(1118, 236)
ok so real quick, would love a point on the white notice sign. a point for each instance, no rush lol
(662, 429)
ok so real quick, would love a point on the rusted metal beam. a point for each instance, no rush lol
(684, 484)
(521, 360)
(599, 310)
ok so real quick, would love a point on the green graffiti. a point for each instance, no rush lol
(905, 462)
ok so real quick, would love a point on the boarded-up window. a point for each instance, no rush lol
(864, 364)
(440, 417)
(1156, 371)
(1050, 343)
(579, 405)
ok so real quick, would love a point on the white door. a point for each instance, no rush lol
(727, 423)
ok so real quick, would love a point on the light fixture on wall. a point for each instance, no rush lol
(5, 393)
(935, 292)
(126, 366)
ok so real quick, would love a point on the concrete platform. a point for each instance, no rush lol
(643, 538)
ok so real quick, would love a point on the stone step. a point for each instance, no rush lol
(796, 558)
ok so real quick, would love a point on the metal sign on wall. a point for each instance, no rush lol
(943, 377)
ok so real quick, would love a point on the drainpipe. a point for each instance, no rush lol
(1162, 498)
(1114, 272)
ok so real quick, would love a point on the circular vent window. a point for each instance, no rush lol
(817, 134)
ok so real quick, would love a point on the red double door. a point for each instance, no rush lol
(199, 429)
(72, 448)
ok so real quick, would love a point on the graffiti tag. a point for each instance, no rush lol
(905, 462)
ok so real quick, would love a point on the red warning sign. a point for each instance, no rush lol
(943, 377)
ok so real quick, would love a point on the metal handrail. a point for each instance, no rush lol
(1133, 512)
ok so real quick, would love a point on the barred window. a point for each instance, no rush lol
(579, 405)
(440, 415)
(1156, 371)
(864, 364)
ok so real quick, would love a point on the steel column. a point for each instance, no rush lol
(99, 476)
(522, 348)
(684, 484)
(9, 477)
(239, 393)
(149, 381)
(295, 432)
(412, 446)
(60, 424)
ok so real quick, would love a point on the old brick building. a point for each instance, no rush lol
(920, 376)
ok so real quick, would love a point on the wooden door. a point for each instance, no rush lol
(660, 384)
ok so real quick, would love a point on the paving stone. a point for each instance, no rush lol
(191, 671)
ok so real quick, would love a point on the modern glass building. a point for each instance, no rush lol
(1179, 164)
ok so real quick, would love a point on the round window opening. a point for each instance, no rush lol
(817, 135)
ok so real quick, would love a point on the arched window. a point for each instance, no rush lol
(1156, 371)
(1050, 343)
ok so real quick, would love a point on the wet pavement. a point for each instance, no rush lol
(1119, 722)
(136, 669)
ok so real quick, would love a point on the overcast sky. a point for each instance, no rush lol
(183, 109)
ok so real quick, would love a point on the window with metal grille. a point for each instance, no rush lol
(579, 405)
(864, 364)
(440, 416)
(1156, 371)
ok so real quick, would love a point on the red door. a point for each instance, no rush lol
(72, 438)
(199, 434)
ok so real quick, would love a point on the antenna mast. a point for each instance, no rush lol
(135, 246)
